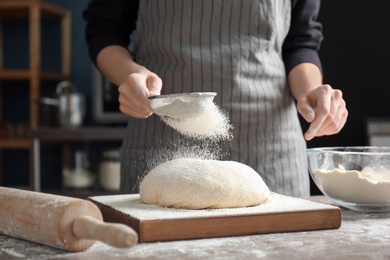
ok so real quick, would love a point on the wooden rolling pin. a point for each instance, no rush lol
(58, 221)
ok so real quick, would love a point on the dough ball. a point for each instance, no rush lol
(198, 184)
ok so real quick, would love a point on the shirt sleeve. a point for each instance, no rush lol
(109, 22)
(305, 35)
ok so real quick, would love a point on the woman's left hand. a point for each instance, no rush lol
(325, 109)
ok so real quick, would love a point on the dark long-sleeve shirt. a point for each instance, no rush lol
(111, 23)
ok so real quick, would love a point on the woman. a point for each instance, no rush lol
(260, 56)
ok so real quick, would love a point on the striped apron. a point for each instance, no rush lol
(233, 48)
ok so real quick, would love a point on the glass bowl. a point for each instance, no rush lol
(356, 178)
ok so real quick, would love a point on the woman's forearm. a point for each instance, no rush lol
(303, 78)
(116, 63)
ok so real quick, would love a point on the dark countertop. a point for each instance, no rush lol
(361, 236)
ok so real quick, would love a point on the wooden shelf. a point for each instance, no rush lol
(33, 11)
(26, 75)
(16, 143)
(80, 133)
(20, 8)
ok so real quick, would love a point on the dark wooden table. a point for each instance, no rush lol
(361, 236)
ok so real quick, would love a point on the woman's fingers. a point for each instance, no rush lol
(134, 93)
(329, 109)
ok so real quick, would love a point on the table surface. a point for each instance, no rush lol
(361, 236)
(79, 133)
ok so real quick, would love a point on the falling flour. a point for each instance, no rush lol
(203, 131)
(199, 120)
(363, 187)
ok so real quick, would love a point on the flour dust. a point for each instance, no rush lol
(210, 122)
(204, 135)
(181, 146)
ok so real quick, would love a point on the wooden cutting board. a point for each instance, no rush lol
(279, 214)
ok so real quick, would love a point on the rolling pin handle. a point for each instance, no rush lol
(114, 234)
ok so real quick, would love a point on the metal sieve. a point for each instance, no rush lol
(182, 106)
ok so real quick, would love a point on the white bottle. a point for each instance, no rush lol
(109, 171)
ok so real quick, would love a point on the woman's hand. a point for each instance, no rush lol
(134, 93)
(135, 82)
(325, 109)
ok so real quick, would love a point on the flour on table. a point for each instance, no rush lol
(198, 184)
(364, 187)
(12, 252)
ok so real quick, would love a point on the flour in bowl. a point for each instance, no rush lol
(363, 187)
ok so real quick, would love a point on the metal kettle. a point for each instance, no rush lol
(71, 104)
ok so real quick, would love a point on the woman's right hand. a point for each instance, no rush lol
(134, 93)
(135, 82)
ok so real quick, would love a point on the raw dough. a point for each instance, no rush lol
(197, 184)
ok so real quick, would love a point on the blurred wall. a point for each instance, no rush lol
(356, 59)
(355, 56)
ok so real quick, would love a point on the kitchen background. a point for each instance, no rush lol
(355, 56)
